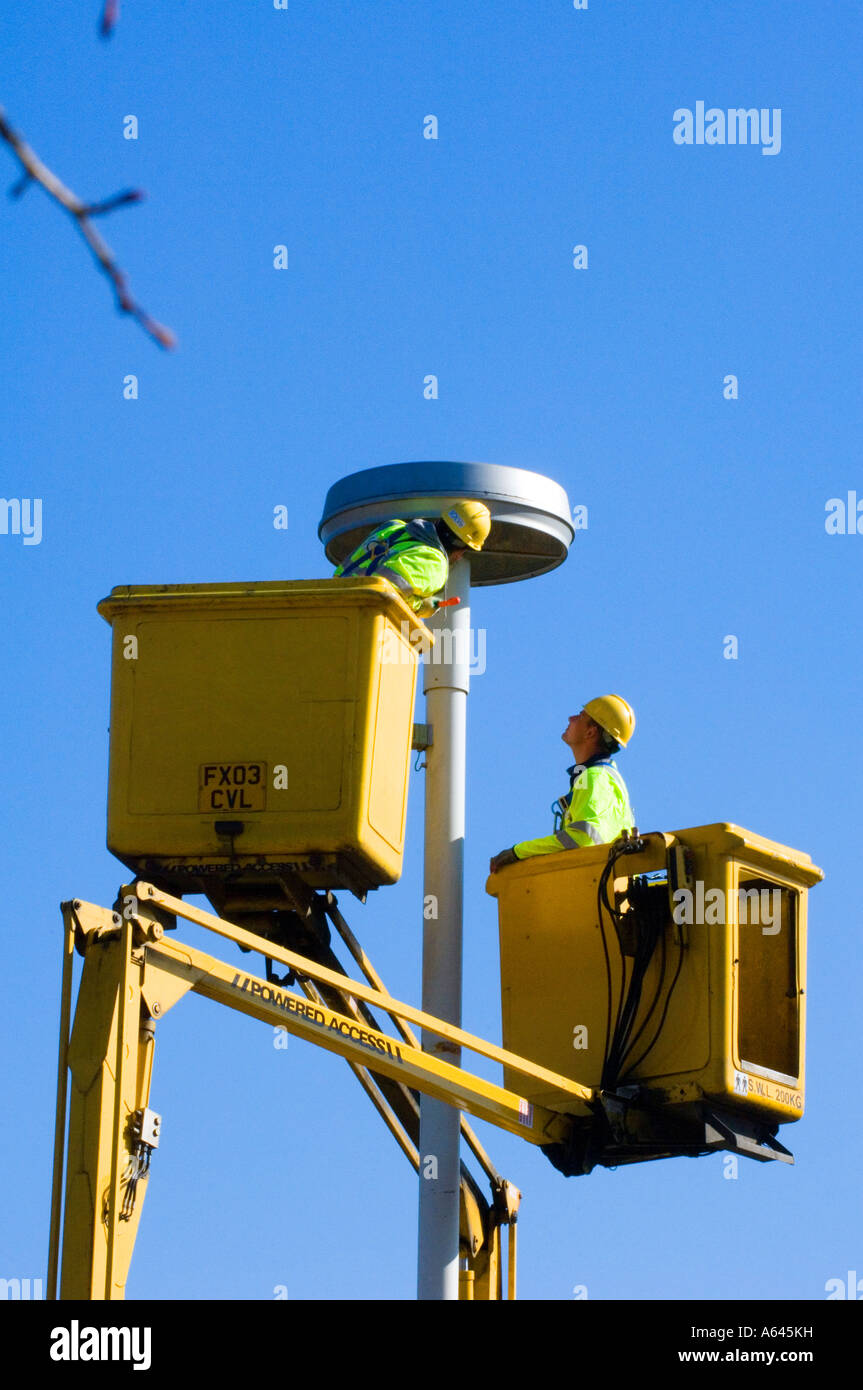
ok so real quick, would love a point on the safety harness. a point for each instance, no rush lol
(561, 805)
(377, 550)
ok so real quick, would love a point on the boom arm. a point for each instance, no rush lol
(132, 975)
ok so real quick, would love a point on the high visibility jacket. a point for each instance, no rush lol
(407, 553)
(594, 812)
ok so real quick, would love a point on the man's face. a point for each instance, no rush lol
(582, 735)
(578, 725)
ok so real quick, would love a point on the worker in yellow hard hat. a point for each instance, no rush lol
(596, 808)
(415, 556)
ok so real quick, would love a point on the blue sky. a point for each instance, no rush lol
(260, 127)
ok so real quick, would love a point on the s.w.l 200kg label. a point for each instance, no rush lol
(232, 787)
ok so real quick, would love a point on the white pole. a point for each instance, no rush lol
(446, 676)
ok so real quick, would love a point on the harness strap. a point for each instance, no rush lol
(561, 806)
(376, 552)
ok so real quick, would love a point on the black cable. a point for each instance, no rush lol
(615, 1039)
(665, 1009)
(607, 978)
(614, 915)
(644, 951)
(650, 1012)
(602, 897)
(633, 1001)
(649, 929)
(657, 932)
(136, 1169)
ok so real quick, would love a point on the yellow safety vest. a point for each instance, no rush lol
(594, 812)
(408, 554)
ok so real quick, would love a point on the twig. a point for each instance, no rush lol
(110, 15)
(34, 171)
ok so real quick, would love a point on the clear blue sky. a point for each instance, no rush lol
(407, 256)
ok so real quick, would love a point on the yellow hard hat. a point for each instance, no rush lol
(471, 522)
(614, 715)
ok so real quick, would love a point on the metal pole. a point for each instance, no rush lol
(446, 677)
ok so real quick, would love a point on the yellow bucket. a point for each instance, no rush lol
(259, 726)
(722, 1005)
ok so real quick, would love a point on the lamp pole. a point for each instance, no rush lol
(447, 674)
(532, 530)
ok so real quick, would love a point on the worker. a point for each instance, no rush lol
(415, 556)
(596, 809)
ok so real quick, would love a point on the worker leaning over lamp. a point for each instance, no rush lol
(596, 809)
(415, 556)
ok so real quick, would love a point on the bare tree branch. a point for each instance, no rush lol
(110, 15)
(34, 171)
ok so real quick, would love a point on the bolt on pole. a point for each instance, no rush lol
(446, 679)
